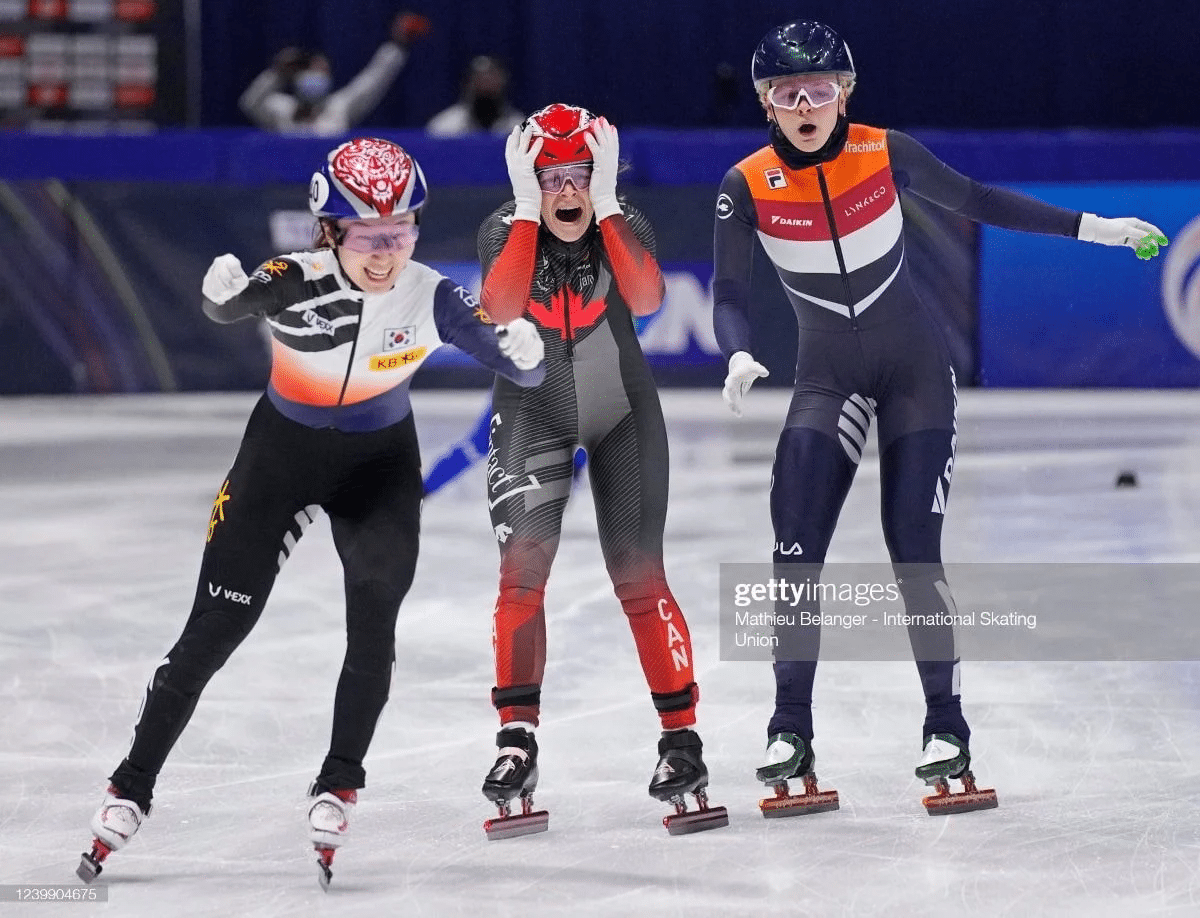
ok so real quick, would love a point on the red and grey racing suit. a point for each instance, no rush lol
(598, 394)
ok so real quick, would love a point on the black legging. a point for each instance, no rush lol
(370, 486)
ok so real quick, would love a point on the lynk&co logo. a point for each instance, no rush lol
(218, 510)
(1181, 285)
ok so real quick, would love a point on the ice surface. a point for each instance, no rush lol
(106, 502)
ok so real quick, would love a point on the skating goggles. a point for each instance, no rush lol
(368, 239)
(819, 92)
(554, 179)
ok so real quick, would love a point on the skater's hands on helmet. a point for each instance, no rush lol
(743, 370)
(605, 147)
(521, 343)
(520, 152)
(1144, 238)
(224, 280)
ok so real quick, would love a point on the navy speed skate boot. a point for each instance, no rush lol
(789, 756)
(946, 757)
(681, 770)
(515, 774)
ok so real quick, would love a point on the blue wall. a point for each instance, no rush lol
(107, 239)
(685, 63)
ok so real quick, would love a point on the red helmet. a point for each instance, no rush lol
(562, 129)
(366, 177)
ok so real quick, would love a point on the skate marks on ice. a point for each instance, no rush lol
(105, 507)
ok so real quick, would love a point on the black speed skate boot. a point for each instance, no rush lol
(681, 770)
(946, 757)
(515, 774)
(789, 756)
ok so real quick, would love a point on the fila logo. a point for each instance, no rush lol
(794, 550)
(217, 591)
(775, 178)
(789, 221)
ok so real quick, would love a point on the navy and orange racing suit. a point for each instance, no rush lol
(868, 348)
(333, 432)
(598, 394)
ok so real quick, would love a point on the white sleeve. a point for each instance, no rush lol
(354, 101)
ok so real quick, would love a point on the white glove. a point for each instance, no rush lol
(224, 280)
(519, 154)
(743, 370)
(521, 343)
(602, 141)
(1144, 238)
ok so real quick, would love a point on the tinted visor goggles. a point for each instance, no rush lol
(819, 91)
(369, 239)
(554, 179)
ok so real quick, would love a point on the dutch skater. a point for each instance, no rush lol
(822, 199)
(567, 254)
(351, 320)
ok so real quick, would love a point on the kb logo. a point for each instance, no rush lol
(1181, 286)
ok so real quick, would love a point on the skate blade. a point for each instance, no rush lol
(88, 869)
(965, 802)
(714, 817)
(514, 826)
(325, 867)
(799, 804)
(90, 861)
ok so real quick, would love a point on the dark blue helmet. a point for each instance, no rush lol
(800, 47)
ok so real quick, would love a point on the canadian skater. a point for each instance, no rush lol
(351, 321)
(579, 263)
(823, 200)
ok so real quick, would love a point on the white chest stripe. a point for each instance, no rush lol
(860, 305)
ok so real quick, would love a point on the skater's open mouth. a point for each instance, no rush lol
(808, 129)
(568, 214)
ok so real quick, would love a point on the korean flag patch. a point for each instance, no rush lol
(395, 339)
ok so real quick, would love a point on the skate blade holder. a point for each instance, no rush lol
(805, 804)
(324, 865)
(509, 826)
(943, 801)
(90, 863)
(701, 819)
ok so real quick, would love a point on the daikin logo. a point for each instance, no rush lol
(789, 221)
(1181, 285)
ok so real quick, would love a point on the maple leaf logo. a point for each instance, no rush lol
(566, 306)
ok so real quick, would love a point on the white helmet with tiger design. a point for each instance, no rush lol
(367, 177)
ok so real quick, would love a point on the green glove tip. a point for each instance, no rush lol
(1148, 247)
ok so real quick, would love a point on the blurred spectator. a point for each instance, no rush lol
(295, 94)
(483, 105)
